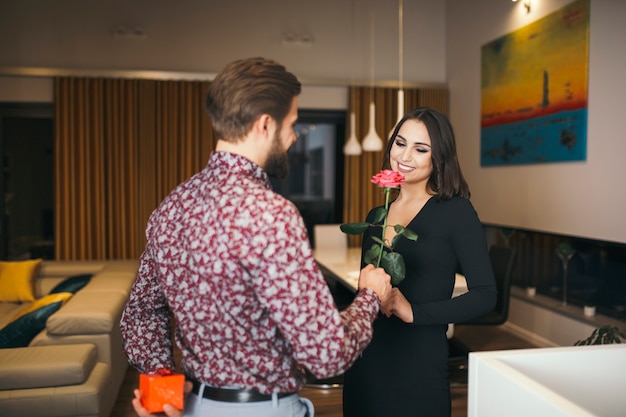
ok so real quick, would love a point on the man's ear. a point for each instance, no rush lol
(265, 125)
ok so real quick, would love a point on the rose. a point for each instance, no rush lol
(381, 253)
(388, 179)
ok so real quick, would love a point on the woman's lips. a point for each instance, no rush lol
(404, 168)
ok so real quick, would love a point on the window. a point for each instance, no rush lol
(26, 145)
(315, 180)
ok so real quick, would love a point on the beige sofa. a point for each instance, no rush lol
(75, 366)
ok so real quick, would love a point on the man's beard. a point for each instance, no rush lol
(277, 164)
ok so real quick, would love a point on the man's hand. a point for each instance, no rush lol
(398, 304)
(169, 410)
(377, 280)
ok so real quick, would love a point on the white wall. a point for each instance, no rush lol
(577, 198)
(195, 38)
(201, 36)
(25, 89)
(442, 44)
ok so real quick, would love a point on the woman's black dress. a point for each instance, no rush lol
(404, 371)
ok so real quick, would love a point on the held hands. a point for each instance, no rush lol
(377, 280)
(397, 304)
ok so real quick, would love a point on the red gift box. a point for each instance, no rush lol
(157, 390)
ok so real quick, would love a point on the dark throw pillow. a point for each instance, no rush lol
(20, 332)
(72, 284)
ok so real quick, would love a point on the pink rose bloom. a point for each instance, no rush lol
(388, 179)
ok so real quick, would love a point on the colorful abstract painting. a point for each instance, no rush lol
(534, 91)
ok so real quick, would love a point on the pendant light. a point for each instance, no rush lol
(400, 67)
(372, 142)
(352, 145)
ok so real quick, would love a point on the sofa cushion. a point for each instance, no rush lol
(46, 366)
(69, 268)
(88, 313)
(20, 332)
(43, 285)
(42, 302)
(72, 284)
(16, 280)
(7, 311)
(108, 281)
(93, 398)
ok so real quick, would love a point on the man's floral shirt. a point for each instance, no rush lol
(231, 260)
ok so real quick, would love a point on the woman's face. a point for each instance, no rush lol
(411, 153)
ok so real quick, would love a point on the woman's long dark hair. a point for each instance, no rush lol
(446, 179)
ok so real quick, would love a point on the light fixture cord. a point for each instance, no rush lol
(372, 34)
(353, 27)
(400, 43)
(352, 86)
(352, 76)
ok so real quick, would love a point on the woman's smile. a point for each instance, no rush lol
(404, 168)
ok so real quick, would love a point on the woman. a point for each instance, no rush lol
(404, 371)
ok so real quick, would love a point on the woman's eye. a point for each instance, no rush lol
(398, 143)
(422, 150)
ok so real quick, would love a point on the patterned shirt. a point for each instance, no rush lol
(231, 260)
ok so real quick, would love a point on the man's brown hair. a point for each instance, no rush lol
(246, 89)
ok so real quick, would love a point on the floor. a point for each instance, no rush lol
(328, 401)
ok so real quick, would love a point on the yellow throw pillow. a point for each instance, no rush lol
(44, 301)
(16, 280)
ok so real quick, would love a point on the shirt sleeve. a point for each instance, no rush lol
(468, 242)
(145, 322)
(323, 340)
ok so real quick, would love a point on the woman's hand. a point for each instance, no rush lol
(169, 410)
(398, 305)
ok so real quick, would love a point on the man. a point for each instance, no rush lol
(229, 259)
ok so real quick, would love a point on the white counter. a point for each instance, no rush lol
(581, 381)
(346, 265)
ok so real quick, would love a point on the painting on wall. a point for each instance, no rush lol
(534, 91)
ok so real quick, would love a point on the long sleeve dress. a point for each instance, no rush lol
(404, 370)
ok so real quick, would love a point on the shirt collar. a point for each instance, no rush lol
(238, 164)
